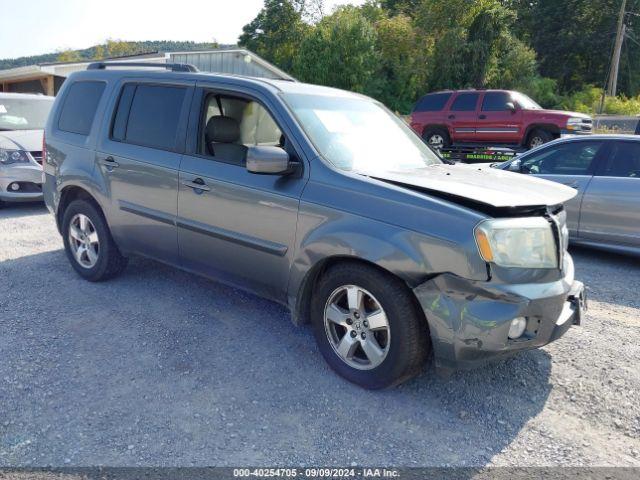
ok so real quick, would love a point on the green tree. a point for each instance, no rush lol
(395, 7)
(488, 26)
(276, 32)
(99, 52)
(513, 66)
(573, 40)
(68, 56)
(340, 52)
(120, 48)
(401, 69)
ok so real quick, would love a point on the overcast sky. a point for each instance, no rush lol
(31, 27)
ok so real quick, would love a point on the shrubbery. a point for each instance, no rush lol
(398, 50)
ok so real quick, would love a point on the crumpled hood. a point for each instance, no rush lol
(497, 188)
(28, 140)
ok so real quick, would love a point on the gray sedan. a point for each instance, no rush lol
(605, 169)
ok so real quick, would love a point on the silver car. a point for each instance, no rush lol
(605, 170)
(22, 119)
(317, 198)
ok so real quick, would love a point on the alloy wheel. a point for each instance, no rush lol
(84, 241)
(536, 142)
(357, 327)
(436, 141)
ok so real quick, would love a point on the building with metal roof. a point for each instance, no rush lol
(47, 78)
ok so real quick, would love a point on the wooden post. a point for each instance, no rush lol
(615, 61)
(47, 85)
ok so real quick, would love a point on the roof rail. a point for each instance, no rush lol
(174, 67)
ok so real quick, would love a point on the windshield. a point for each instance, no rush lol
(358, 134)
(525, 102)
(24, 113)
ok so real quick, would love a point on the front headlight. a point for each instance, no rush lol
(526, 242)
(8, 157)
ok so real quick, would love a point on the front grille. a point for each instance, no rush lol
(586, 125)
(37, 156)
(560, 232)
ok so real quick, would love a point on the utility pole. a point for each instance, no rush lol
(615, 61)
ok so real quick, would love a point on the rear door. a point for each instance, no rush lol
(429, 110)
(139, 161)
(496, 121)
(611, 205)
(570, 163)
(463, 117)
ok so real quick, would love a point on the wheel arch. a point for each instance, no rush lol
(550, 127)
(432, 126)
(300, 304)
(68, 194)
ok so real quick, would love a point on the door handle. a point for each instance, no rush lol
(198, 185)
(451, 117)
(110, 163)
(482, 117)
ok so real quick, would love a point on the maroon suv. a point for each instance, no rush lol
(496, 117)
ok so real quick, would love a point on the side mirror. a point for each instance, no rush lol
(511, 106)
(514, 166)
(268, 160)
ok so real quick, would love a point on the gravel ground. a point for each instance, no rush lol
(160, 367)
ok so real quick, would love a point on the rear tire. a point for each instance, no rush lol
(88, 242)
(436, 137)
(538, 137)
(377, 341)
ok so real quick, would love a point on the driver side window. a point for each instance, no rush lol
(573, 158)
(231, 125)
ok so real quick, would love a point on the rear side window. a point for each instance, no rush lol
(465, 102)
(149, 115)
(496, 102)
(79, 107)
(433, 102)
(625, 161)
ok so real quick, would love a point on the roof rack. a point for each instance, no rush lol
(174, 67)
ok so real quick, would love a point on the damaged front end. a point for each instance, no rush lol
(470, 321)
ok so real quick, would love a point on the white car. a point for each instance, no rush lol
(22, 119)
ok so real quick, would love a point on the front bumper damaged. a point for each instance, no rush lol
(469, 320)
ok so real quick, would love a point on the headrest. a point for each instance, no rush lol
(222, 129)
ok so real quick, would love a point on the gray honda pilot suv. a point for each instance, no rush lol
(320, 199)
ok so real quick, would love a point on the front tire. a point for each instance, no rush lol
(368, 326)
(88, 243)
(538, 137)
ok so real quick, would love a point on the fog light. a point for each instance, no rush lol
(15, 187)
(517, 327)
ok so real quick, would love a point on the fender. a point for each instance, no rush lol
(544, 126)
(407, 254)
(80, 175)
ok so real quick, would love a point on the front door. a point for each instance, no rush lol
(498, 122)
(569, 163)
(463, 117)
(233, 225)
(611, 205)
(139, 162)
